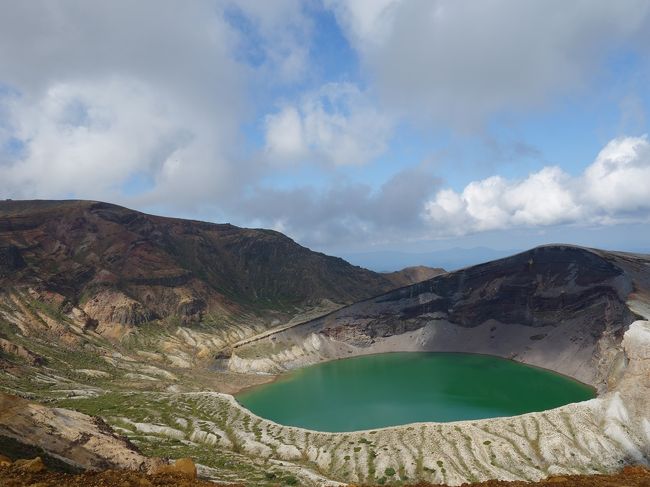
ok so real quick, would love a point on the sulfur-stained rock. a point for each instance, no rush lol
(184, 466)
(33, 465)
(84, 441)
(5, 461)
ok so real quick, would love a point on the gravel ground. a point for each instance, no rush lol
(634, 476)
(15, 477)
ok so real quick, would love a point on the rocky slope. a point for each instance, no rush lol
(28, 473)
(16, 476)
(151, 323)
(124, 267)
(560, 307)
(89, 275)
(593, 437)
(12, 476)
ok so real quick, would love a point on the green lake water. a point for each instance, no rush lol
(388, 389)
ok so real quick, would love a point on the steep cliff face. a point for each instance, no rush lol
(536, 288)
(561, 307)
(124, 267)
(634, 383)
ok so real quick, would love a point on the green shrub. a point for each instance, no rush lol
(390, 471)
(290, 480)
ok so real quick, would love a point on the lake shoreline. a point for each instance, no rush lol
(351, 391)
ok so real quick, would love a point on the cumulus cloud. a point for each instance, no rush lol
(461, 61)
(88, 137)
(336, 124)
(612, 189)
(412, 205)
(136, 102)
(617, 182)
(103, 93)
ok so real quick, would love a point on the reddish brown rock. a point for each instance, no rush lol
(5, 461)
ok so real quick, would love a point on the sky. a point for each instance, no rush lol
(353, 126)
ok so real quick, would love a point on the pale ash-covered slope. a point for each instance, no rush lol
(597, 436)
(561, 307)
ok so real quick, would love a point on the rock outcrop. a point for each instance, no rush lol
(79, 440)
(635, 383)
(20, 352)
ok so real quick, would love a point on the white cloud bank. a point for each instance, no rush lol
(614, 188)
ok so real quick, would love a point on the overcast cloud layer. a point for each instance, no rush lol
(212, 108)
(460, 61)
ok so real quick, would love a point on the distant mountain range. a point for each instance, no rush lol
(448, 259)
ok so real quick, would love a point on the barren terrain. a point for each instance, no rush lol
(120, 363)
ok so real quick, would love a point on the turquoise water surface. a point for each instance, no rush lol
(388, 389)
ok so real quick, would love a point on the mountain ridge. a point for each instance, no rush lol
(153, 267)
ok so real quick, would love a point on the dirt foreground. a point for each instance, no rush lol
(34, 473)
(632, 476)
(23, 473)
